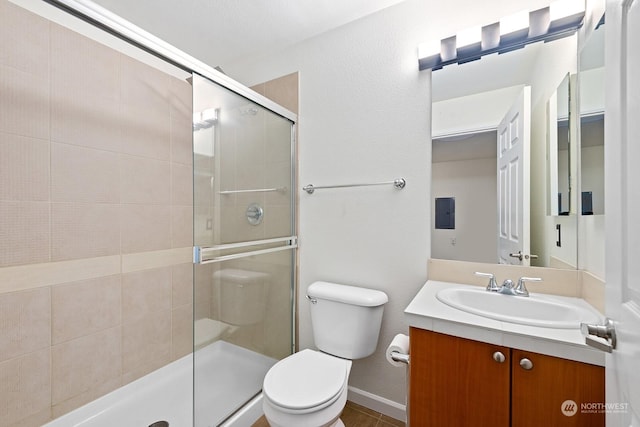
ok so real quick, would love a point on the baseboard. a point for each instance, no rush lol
(378, 403)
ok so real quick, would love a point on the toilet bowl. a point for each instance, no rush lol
(309, 388)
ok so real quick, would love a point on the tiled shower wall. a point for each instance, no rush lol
(95, 219)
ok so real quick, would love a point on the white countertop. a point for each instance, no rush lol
(426, 312)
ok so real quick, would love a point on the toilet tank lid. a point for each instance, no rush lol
(347, 294)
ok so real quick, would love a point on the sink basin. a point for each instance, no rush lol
(536, 310)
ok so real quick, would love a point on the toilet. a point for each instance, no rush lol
(309, 388)
(241, 298)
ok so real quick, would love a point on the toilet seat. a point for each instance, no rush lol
(306, 381)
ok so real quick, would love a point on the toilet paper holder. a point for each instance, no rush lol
(400, 357)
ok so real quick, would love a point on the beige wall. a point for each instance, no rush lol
(474, 186)
(95, 219)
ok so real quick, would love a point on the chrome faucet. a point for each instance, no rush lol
(507, 287)
(492, 286)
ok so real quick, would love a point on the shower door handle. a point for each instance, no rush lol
(210, 255)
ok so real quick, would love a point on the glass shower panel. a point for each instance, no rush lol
(243, 168)
(243, 225)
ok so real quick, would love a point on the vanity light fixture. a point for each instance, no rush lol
(560, 19)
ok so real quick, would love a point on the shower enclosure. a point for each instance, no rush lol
(244, 241)
(101, 321)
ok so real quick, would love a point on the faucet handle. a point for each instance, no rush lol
(521, 289)
(492, 286)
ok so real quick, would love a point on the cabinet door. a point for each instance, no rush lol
(456, 382)
(555, 392)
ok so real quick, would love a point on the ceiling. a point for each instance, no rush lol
(220, 32)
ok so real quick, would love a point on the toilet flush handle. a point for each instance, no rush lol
(313, 300)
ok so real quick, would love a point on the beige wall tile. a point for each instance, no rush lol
(181, 122)
(104, 143)
(84, 230)
(85, 307)
(278, 134)
(250, 160)
(31, 276)
(24, 227)
(89, 67)
(85, 91)
(236, 228)
(181, 226)
(203, 291)
(81, 174)
(24, 103)
(202, 193)
(145, 132)
(227, 149)
(279, 176)
(145, 86)
(284, 91)
(259, 88)
(181, 331)
(145, 180)
(72, 403)
(146, 345)
(25, 322)
(85, 120)
(145, 228)
(79, 365)
(24, 168)
(25, 388)
(36, 420)
(203, 226)
(146, 111)
(181, 285)
(27, 51)
(156, 259)
(181, 185)
(145, 292)
(231, 225)
(277, 220)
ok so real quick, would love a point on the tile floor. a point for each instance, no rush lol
(355, 415)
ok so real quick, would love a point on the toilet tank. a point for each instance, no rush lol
(345, 319)
(243, 296)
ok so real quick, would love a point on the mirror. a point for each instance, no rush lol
(469, 102)
(562, 167)
(592, 118)
(559, 151)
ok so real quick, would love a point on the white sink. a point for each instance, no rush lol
(536, 310)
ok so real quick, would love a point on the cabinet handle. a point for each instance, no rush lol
(498, 357)
(526, 364)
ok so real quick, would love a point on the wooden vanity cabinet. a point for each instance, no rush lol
(456, 382)
(459, 382)
(538, 394)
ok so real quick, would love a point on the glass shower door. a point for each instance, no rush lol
(244, 248)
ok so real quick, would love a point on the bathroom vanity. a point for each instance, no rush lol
(468, 369)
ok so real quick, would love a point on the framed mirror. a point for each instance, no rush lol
(469, 103)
